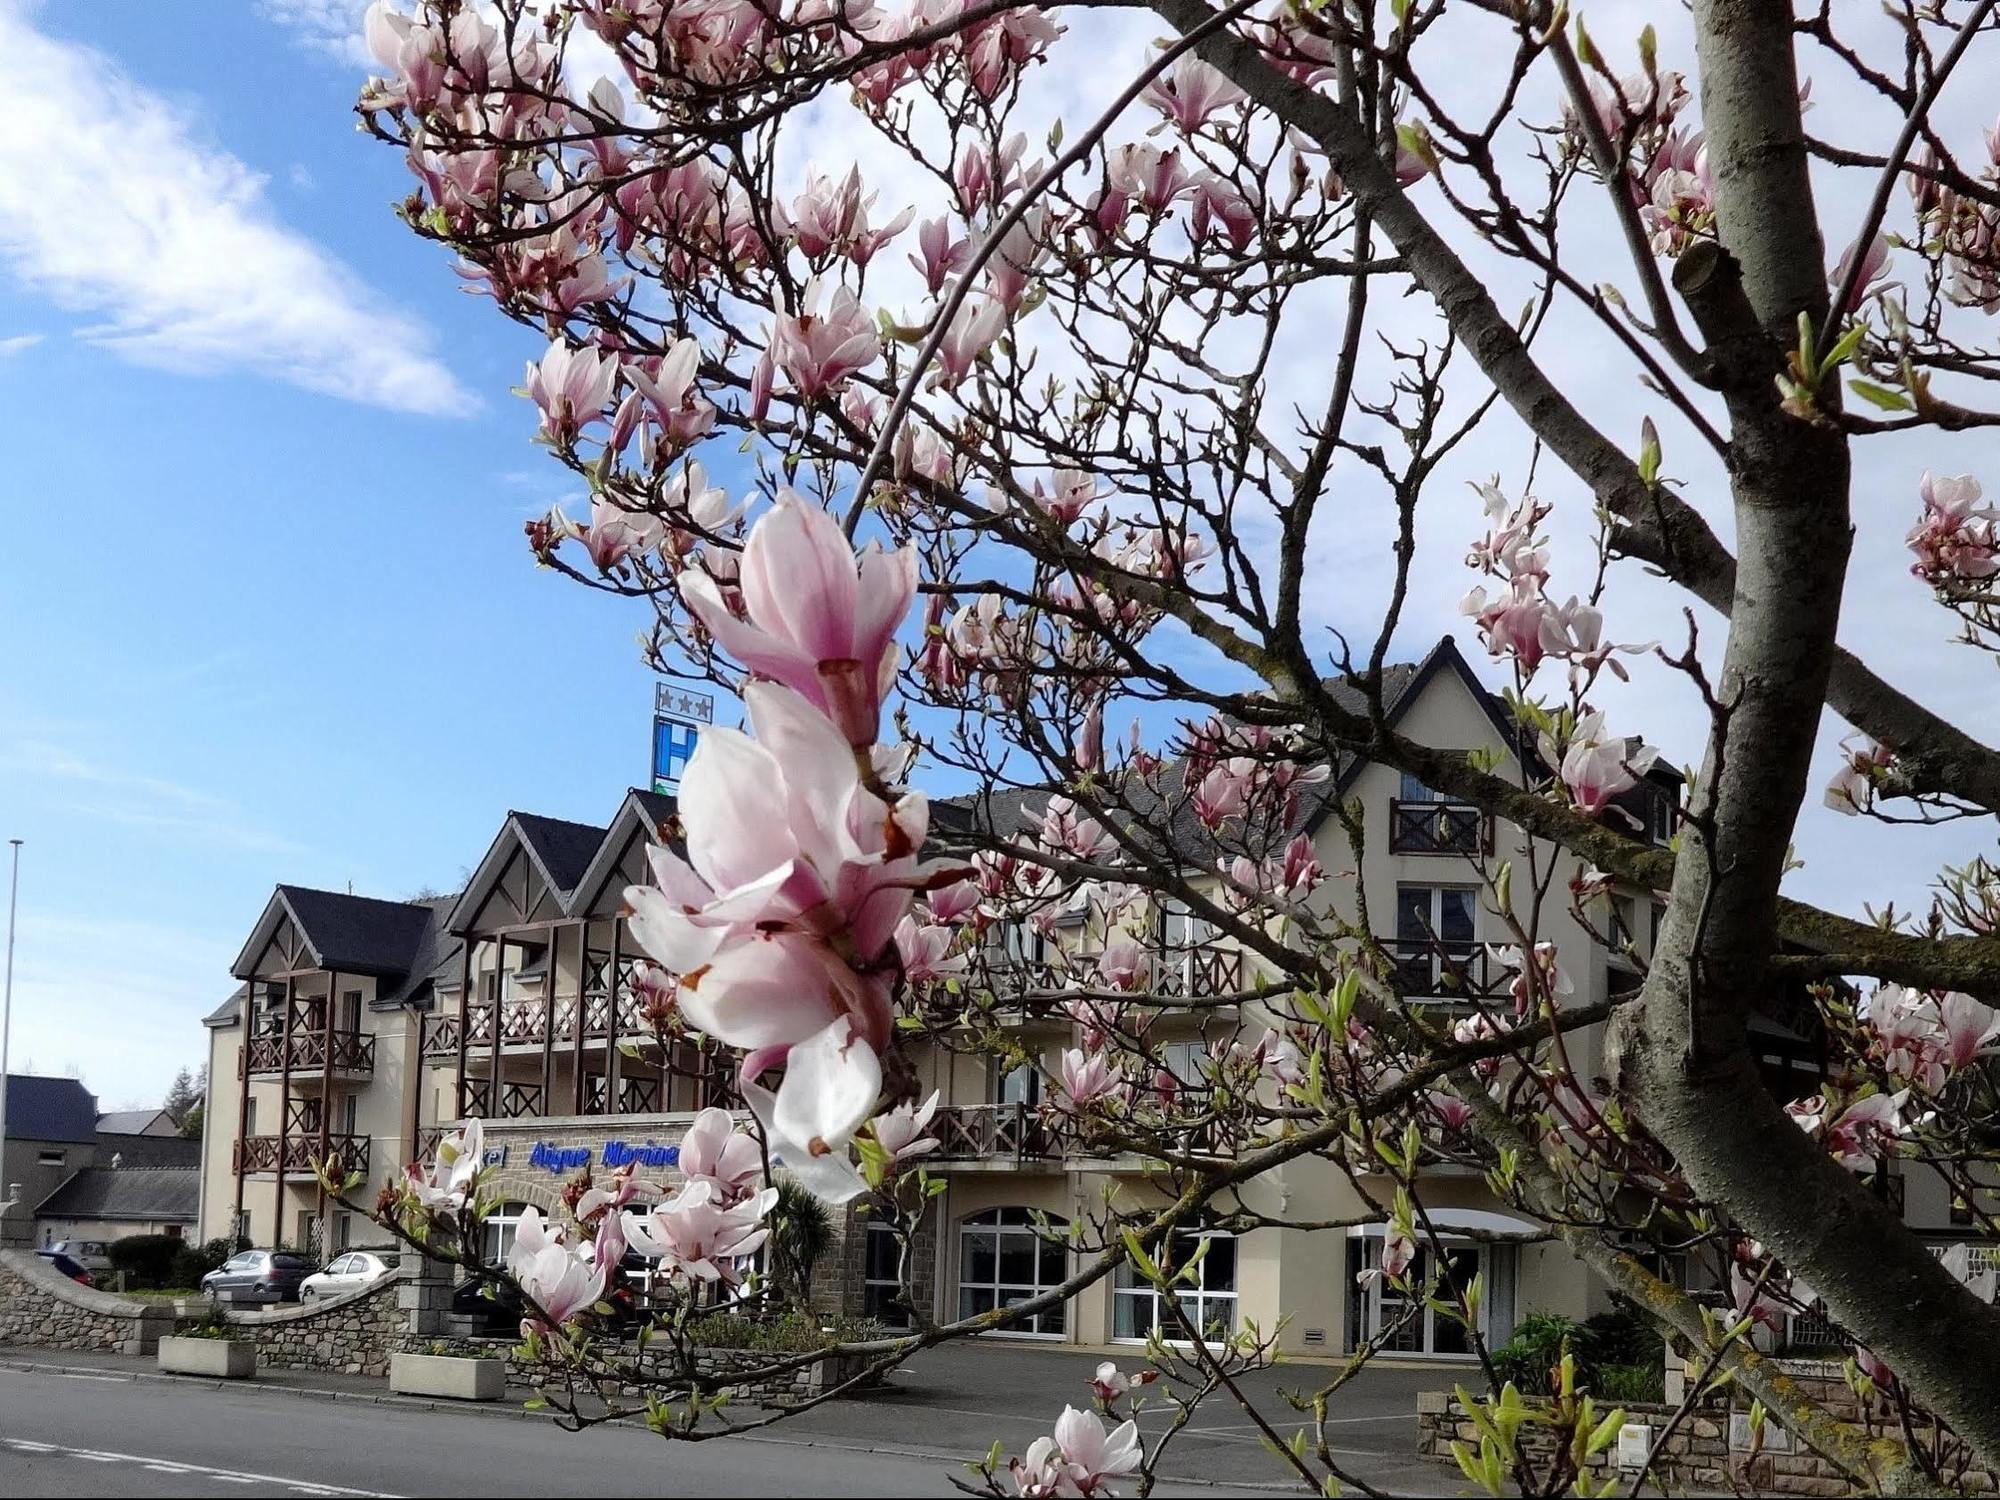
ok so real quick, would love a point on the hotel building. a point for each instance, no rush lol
(365, 1028)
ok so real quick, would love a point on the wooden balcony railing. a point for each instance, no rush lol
(990, 1132)
(1190, 973)
(262, 1153)
(353, 1052)
(1434, 969)
(1438, 828)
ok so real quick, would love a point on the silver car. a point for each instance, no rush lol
(346, 1273)
(258, 1276)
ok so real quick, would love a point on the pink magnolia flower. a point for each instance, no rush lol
(572, 388)
(716, 1152)
(904, 1132)
(818, 350)
(616, 533)
(667, 387)
(1089, 1079)
(1595, 768)
(1851, 790)
(1753, 1301)
(939, 257)
(1038, 1474)
(695, 1233)
(1874, 266)
(1191, 92)
(954, 901)
(1518, 622)
(1970, 1029)
(553, 1273)
(1108, 1384)
(785, 850)
(923, 950)
(453, 1175)
(973, 329)
(1958, 539)
(1217, 203)
(1123, 965)
(1449, 1110)
(821, 620)
(1070, 830)
(1146, 174)
(1091, 1456)
(996, 50)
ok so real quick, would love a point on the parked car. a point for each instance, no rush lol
(347, 1273)
(67, 1265)
(258, 1276)
(93, 1255)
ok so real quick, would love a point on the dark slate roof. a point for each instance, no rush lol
(49, 1109)
(660, 806)
(148, 1150)
(230, 1011)
(358, 934)
(133, 1121)
(437, 958)
(127, 1193)
(564, 849)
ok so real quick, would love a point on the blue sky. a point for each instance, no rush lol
(265, 621)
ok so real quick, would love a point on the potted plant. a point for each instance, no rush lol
(437, 1371)
(210, 1349)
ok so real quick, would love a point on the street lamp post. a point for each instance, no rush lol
(7, 1018)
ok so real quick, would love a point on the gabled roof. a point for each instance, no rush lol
(148, 1150)
(353, 934)
(558, 850)
(437, 959)
(641, 811)
(49, 1109)
(137, 1122)
(230, 1012)
(130, 1194)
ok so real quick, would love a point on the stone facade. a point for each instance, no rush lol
(1710, 1451)
(354, 1334)
(42, 1308)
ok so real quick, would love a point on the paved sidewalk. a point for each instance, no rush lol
(953, 1403)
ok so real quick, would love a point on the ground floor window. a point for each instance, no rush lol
(1003, 1260)
(1411, 1325)
(881, 1289)
(501, 1226)
(1209, 1303)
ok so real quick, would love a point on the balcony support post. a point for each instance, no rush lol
(464, 1023)
(549, 1016)
(284, 1112)
(612, 1026)
(493, 1108)
(582, 1016)
(243, 1101)
(326, 1096)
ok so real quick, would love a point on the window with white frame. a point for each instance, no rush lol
(1004, 1260)
(1434, 935)
(501, 1227)
(1208, 1302)
(1022, 1085)
(1407, 1322)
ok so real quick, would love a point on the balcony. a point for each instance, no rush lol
(261, 1153)
(1438, 828)
(1191, 973)
(1433, 969)
(532, 1023)
(304, 1054)
(1005, 1134)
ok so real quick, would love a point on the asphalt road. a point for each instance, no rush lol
(97, 1431)
(72, 1436)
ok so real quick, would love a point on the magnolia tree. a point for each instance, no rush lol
(961, 383)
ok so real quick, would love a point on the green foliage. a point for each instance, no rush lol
(192, 1262)
(147, 1260)
(1618, 1354)
(801, 1234)
(219, 1331)
(792, 1332)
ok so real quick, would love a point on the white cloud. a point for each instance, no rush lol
(331, 27)
(16, 343)
(113, 206)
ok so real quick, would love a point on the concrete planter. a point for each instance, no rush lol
(449, 1376)
(222, 1359)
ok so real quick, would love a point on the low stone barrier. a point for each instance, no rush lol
(41, 1308)
(353, 1333)
(1710, 1451)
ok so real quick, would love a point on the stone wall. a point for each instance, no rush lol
(42, 1308)
(1710, 1451)
(354, 1333)
(719, 1365)
(839, 1283)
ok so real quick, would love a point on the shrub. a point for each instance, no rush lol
(801, 1233)
(1529, 1358)
(1624, 1384)
(788, 1333)
(192, 1262)
(146, 1259)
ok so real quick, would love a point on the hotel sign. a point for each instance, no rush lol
(679, 715)
(562, 1161)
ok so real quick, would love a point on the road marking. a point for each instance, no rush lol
(172, 1466)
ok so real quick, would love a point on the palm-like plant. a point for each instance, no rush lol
(801, 1232)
